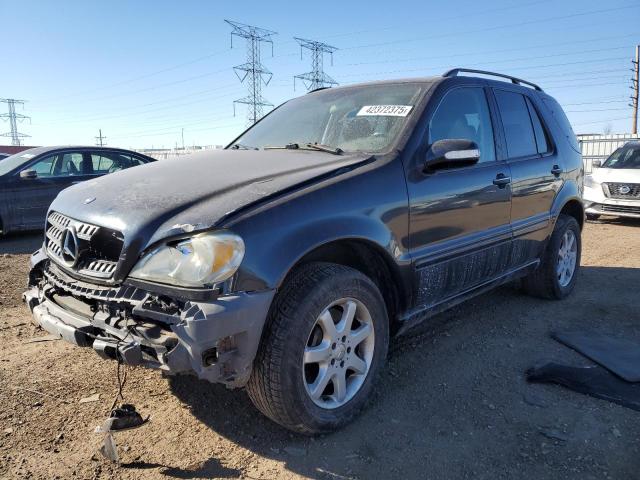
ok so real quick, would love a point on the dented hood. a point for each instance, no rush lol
(167, 197)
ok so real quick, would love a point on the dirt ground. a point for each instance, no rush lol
(452, 402)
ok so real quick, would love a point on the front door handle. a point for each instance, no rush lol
(502, 180)
(556, 170)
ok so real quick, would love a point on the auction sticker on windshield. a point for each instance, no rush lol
(385, 110)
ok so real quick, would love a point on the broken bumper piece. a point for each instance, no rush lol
(217, 340)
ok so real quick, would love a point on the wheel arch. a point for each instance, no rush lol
(569, 201)
(372, 261)
(575, 209)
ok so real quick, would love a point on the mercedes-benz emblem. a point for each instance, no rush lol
(70, 249)
(624, 189)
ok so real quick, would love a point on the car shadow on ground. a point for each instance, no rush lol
(476, 355)
(622, 221)
(20, 243)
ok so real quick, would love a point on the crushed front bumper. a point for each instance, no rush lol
(217, 340)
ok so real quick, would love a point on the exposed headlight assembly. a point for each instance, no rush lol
(199, 261)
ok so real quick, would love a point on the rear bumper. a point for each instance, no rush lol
(216, 340)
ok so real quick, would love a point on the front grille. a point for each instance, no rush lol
(622, 190)
(620, 209)
(81, 247)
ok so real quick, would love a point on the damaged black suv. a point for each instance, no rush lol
(285, 262)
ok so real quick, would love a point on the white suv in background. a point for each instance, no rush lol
(613, 188)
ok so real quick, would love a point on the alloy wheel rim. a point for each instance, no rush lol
(567, 258)
(338, 353)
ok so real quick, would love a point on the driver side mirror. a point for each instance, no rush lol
(451, 153)
(596, 163)
(28, 174)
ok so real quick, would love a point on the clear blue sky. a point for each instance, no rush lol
(143, 70)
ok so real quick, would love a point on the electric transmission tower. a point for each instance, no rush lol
(252, 71)
(14, 118)
(316, 78)
(100, 140)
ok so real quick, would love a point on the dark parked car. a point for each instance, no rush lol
(31, 179)
(3, 156)
(285, 262)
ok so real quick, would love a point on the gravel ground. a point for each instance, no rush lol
(452, 402)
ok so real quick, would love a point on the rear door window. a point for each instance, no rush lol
(102, 164)
(518, 130)
(70, 164)
(110, 162)
(542, 141)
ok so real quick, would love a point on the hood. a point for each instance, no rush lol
(168, 197)
(616, 175)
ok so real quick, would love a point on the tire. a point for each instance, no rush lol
(545, 281)
(592, 216)
(280, 385)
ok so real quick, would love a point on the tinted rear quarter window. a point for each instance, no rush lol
(562, 120)
(521, 141)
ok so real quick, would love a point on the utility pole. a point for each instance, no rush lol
(183, 138)
(635, 81)
(316, 78)
(100, 139)
(13, 119)
(252, 71)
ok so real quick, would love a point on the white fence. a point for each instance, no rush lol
(163, 153)
(599, 147)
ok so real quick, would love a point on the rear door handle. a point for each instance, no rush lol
(556, 170)
(502, 180)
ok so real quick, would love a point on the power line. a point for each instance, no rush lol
(437, 57)
(254, 72)
(84, 119)
(602, 120)
(456, 33)
(316, 78)
(13, 119)
(140, 77)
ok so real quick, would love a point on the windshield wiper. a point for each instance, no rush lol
(240, 146)
(307, 146)
(324, 148)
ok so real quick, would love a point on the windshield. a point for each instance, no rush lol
(367, 118)
(14, 161)
(627, 156)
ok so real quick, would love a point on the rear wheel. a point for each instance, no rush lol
(324, 343)
(556, 276)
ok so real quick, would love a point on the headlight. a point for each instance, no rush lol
(590, 182)
(199, 261)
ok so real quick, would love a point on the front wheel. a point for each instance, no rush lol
(556, 275)
(324, 343)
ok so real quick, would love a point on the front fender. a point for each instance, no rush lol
(371, 207)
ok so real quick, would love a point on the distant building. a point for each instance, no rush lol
(11, 149)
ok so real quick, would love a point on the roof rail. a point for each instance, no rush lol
(455, 71)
